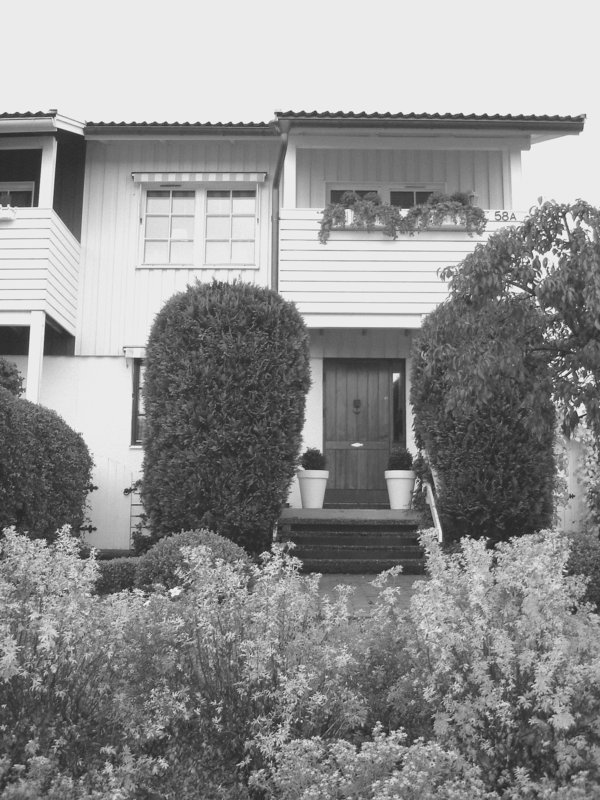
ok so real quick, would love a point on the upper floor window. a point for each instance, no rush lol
(17, 193)
(401, 197)
(230, 226)
(199, 226)
(169, 227)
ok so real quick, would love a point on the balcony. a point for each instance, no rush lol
(364, 280)
(39, 265)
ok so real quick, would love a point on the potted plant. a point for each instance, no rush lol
(312, 478)
(400, 478)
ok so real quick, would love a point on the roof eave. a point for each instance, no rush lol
(102, 130)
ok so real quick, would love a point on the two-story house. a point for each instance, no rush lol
(101, 222)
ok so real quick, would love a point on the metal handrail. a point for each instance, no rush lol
(430, 500)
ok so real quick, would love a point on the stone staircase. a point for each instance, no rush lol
(358, 540)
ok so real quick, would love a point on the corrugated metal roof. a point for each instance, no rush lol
(179, 127)
(28, 114)
(522, 121)
(423, 116)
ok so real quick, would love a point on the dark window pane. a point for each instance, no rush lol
(402, 199)
(422, 197)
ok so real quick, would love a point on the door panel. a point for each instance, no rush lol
(363, 402)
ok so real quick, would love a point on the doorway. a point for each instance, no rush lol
(364, 410)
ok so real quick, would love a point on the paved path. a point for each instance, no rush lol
(364, 593)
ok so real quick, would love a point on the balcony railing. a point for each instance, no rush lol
(360, 279)
(39, 265)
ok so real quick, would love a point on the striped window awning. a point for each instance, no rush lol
(199, 177)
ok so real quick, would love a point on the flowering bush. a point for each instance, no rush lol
(381, 769)
(514, 658)
(242, 681)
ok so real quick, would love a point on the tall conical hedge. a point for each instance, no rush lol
(227, 373)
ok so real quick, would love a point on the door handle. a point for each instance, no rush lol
(356, 444)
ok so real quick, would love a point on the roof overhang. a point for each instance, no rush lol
(538, 128)
(38, 122)
(167, 130)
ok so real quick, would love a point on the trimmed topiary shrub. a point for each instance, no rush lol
(486, 422)
(45, 469)
(226, 378)
(161, 564)
(116, 574)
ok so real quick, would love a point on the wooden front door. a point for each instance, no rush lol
(364, 416)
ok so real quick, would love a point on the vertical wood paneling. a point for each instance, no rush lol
(477, 171)
(118, 299)
(39, 266)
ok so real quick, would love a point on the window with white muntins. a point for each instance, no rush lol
(199, 226)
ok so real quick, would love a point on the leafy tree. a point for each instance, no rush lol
(553, 258)
(226, 379)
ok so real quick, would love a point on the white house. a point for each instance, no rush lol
(101, 222)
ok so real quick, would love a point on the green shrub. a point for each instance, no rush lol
(584, 559)
(45, 469)
(486, 423)
(116, 574)
(164, 561)
(10, 377)
(226, 378)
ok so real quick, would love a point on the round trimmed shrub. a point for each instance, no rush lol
(227, 373)
(45, 469)
(116, 574)
(161, 564)
(486, 421)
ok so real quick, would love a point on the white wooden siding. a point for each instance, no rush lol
(479, 171)
(118, 298)
(39, 266)
(361, 279)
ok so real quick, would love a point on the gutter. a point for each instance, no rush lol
(275, 194)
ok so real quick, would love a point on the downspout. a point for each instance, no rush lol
(283, 132)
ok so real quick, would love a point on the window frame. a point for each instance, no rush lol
(19, 186)
(199, 259)
(384, 190)
(137, 415)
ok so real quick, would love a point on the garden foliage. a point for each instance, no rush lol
(243, 682)
(164, 562)
(116, 574)
(10, 377)
(488, 428)
(226, 379)
(45, 469)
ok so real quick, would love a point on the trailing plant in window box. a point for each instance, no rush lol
(369, 212)
(439, 209)
(365, 213)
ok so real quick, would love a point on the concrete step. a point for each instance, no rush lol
(327, 552)
(353, 540)
(363, 567)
